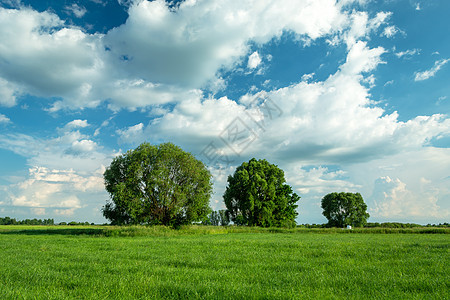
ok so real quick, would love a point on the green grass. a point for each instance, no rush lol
(98, 262)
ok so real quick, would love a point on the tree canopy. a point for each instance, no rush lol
(343, 209)
(257, 195)
(157, 185)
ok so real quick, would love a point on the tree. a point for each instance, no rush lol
(257, 195)
(224, 217)
(217, 218)
(214, 218)
(342, 209)
(157, 185)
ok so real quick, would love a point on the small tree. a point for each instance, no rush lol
(257, 195)
(157, 185)
(224, 218)
(214, 218)
(342, 209)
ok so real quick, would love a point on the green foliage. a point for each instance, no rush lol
(157, 185)
(257, 195)
(214, 218)
(342, 209)
(224, 217)
(217, 218)
(12, 221)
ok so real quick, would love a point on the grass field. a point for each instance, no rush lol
(203, 262)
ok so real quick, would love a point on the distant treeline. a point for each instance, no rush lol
(11, 221)
(76, 223)
(381, 225)
(218, 218)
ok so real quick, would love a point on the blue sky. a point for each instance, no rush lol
(349, 95)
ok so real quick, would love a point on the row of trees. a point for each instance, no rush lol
(12, 221)
(218, 218)
(165, 185)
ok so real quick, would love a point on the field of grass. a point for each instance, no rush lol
(98, 262)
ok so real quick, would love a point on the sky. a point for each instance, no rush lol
(344, 96)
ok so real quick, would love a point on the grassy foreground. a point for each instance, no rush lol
(99, 262)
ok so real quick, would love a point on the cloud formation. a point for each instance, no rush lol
(56, 192)
(4, 119)
(170, 62)
(420, 76)
(187, 49)
(253, 60)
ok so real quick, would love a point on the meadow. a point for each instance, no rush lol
(197, 262)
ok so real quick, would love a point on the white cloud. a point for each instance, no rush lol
(4, 119)
(82, 147)
(419, 76)
(188, 47)
(322, 122)
(44, 58)
(394, 200)
(8, 93)
(55, 192)
(318, 180)
(70, 150)
(390, 82)
(77, 124)
(306, 77)
(133, 134)
(361, 26)
(390, 31)
(362, 59)
(254, 60)
(379, 19)
(76, 10)
(187, 51)
(417, 188)
(407, 53)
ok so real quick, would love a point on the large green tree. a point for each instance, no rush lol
(157, 185)
(257, 195)
(342, 209)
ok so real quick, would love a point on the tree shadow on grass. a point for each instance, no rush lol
(55, 231)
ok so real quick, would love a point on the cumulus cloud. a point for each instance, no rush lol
(66, 176)
(44, 58)
(83, 147)
(4, 119)
(68, 150)
(420, 76)
(77, 124)
(360, 26)
(306, 77)
(54, 191)
(253, 60)
(393, 200)
(204, 36)
(189, 46)
(390, 31)
(132, 135)
(360, 58)
(324, 121)
(318, 180)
